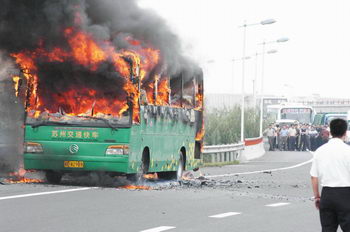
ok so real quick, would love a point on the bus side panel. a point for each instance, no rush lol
(165, 136)
(135, 153)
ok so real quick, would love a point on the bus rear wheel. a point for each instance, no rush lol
(175, 175)
(180, 167)
(53, 177)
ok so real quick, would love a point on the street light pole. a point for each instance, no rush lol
(281, 40)
(255, 78)
(262, 90)
(243, 78)
(264, 22)
(256, 72)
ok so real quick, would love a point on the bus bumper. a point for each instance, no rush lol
(80, 163)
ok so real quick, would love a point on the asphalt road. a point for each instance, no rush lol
(261, 201)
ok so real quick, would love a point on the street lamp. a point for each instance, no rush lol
(245, 25)
(280, 40)
(272, 51)
(233, 68)
(267, 21)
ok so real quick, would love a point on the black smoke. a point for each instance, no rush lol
(12, 115)
(23, 23)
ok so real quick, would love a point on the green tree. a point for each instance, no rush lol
(224, 126)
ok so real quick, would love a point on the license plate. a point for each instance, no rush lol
(73, 164)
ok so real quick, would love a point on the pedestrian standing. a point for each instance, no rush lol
(331, 170)
(308, 146)
(270, 133)
(303, 140)
(324, 135)
(292, 132)
(313, 135)
(298, 138)
(284, 138)
(319, 137)
(277, 133)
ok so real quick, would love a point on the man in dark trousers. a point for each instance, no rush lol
(331, 169)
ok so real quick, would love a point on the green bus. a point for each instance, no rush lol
(323, 119)
(151, 135)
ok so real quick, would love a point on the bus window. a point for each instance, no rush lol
(162, 91)
(303, 115)
(176, 91)
(189, 94)
(272, 114)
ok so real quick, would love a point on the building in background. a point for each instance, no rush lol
(320, 104)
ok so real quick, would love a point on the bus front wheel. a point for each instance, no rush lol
(143, 169)
(53, 177)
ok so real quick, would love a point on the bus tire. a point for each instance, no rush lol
(53, 177)
(144, 167)
(180, 167)
(175, 175)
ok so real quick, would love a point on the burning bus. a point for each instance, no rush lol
(93, 106)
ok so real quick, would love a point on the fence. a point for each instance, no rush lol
(251, 149)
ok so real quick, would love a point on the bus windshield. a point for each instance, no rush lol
(303, 115)
(81, 109)
(78, 120)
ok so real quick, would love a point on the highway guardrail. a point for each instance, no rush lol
(251, 148)
(222, 153)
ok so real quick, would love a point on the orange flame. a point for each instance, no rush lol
(200, 133)
(136, 187)
(199, 101)
(16, 81)
(23, 180)
(163, 92)
(151, 176)
(140, 68)
(18, 177)
(85, 51)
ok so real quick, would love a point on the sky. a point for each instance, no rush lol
(315, 60)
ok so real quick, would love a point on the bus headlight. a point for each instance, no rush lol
(30, 147)
(117, 150)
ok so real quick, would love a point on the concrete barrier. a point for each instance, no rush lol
(253, 149)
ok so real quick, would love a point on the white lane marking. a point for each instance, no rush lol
(223, 215)
(262, 171)
(278, 204)
(44, 193)
(159, 229)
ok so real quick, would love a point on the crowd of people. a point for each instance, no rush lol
(296, 137)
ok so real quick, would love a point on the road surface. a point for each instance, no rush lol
(223, 201)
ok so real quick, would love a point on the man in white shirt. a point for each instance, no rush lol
(270, 133)
(292, 132)
(331, 169)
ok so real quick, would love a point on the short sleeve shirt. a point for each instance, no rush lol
(331, 164)
(292, 132)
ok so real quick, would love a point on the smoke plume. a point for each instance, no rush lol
(11, 114)
(23, 24)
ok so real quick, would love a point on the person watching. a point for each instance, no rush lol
(331, 170)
